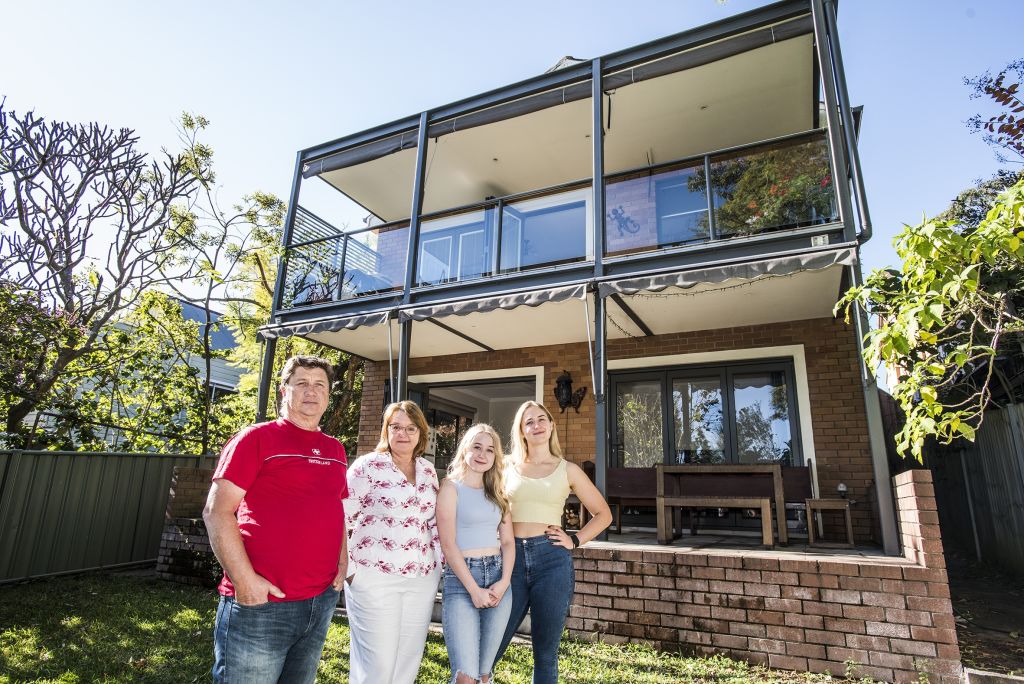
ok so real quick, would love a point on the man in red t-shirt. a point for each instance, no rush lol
(276, 523)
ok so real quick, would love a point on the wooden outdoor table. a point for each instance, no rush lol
(773, 470)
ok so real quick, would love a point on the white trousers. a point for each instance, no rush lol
(388, 618)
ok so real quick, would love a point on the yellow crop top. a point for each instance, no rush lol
(538, 500)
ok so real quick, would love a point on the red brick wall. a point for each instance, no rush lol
(837, 404)
(885, 618)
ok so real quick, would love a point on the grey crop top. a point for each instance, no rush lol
(476, 519)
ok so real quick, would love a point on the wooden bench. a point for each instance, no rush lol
(745, 486)
(665, 503)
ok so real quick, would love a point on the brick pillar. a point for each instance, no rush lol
(185, 554)
(921, 538)
(918, 517)
(189, 487)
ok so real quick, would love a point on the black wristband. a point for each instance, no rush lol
(575, 541)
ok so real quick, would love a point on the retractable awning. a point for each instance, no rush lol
(682, 61)
(792, 287)
(507, 300)
(778, 266)
(325, 325)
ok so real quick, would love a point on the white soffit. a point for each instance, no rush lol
(525, 326)
(383, 186)
(756, 95)
(545, 148)
(770, 299)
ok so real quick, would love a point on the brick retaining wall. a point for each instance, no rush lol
(885, 618)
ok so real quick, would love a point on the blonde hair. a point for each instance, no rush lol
(519, 449)
(494, 478)
(415, 415)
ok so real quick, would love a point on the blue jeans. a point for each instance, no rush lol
(473, 634)
(543, 582)
(277, 641)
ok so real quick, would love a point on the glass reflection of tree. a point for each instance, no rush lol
(641, 424)
(784, 186)
(762, 434)
(312, 272)
(699, 428)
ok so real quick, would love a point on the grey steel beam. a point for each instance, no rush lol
(286, 236)
(633, 316)
(597, 140)
(849, 130)
(600, 400)
(417, 207)
(840, 166)
(461, 334)
(404, 346)
(266, 378)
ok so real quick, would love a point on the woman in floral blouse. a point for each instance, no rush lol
(394, 551)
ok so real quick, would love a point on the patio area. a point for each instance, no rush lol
(844, 611)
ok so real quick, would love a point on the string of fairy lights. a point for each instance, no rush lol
(687, 293)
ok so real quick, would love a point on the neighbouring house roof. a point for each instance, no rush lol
(220, 337)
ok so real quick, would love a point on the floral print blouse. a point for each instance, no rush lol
(391, 521)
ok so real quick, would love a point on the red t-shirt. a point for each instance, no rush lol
(291, 517)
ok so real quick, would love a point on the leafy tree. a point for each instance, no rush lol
(249, 308)
(640, 421)
(1006, 129)
(85, 228)
(944, 316)
(216, 244)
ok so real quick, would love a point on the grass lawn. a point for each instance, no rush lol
(128, 628)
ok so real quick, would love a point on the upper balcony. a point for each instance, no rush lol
(713, 147)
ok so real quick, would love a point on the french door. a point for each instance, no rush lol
(725, 413)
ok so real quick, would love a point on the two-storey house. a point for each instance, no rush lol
(671, 225)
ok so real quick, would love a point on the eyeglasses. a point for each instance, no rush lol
(409, 430)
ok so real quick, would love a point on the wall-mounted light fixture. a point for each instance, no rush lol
(841, 488)
(564, 394)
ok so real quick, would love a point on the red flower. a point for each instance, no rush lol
(825, 181)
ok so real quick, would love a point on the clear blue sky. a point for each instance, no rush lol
(275, 77)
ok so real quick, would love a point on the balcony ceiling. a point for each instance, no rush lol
(799, 296)
(756, 95)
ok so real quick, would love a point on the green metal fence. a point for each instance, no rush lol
(68, 511)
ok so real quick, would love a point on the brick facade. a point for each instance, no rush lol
(839, 425)
(884, 618)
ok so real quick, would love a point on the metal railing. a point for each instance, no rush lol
(748, 190)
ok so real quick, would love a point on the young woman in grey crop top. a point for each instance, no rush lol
(476, 538)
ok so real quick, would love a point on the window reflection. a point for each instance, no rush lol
(639, 423)
(761, 412)
(699, 429)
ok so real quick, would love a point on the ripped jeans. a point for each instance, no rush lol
(473, 634)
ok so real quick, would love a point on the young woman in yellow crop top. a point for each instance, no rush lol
(538, 482)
